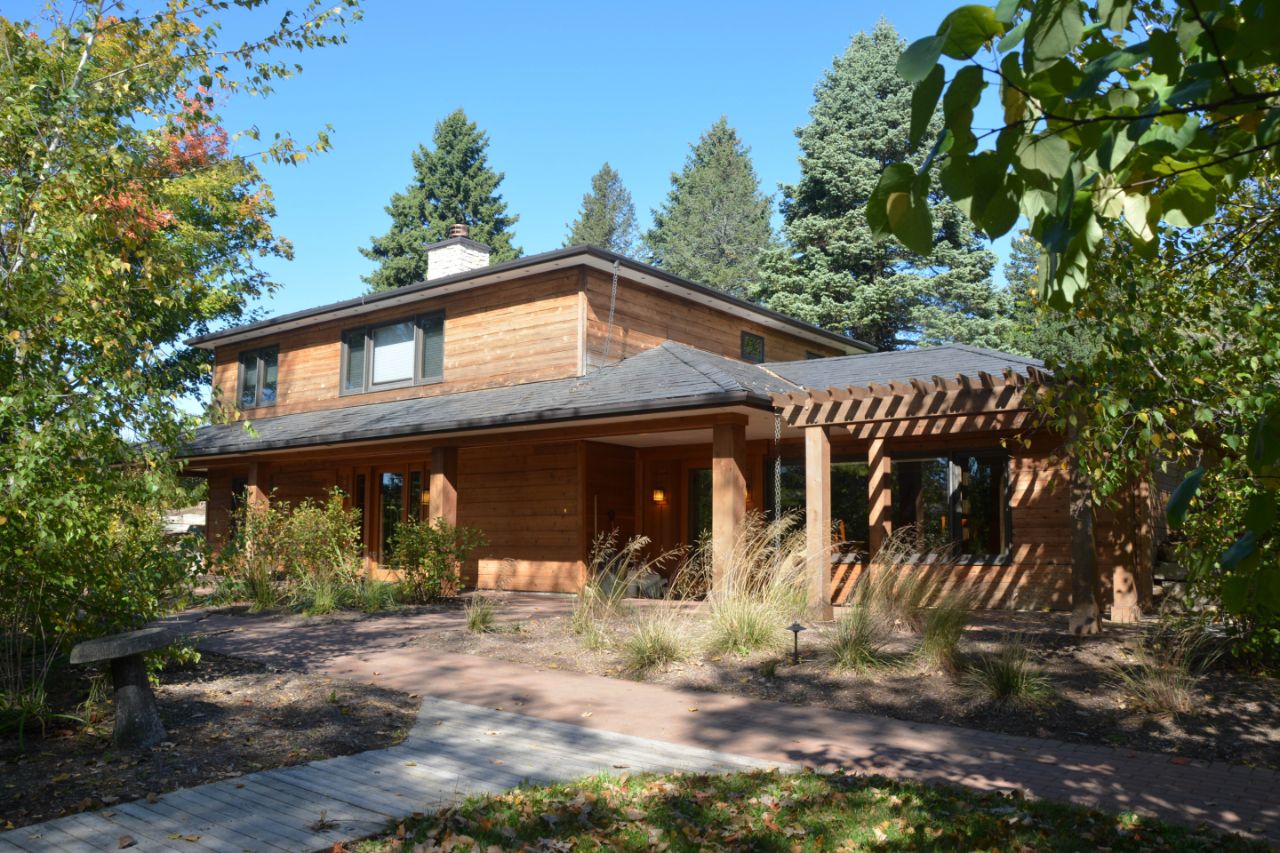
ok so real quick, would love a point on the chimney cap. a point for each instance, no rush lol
(458, 229)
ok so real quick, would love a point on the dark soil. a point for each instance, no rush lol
(1236, 718)
(225, 717)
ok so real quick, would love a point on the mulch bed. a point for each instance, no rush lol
(225, 717)
(1237, 719)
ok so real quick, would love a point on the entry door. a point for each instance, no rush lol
(399, 493)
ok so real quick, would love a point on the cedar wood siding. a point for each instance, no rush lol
(501, 334)
(645, 317)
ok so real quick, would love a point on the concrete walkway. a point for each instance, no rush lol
(453, 750)
(381, 651)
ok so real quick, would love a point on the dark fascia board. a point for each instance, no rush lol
(424, 287)
(539, 418)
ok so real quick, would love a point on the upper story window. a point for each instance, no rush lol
(752, 348)
(393, 355)
(259, 370)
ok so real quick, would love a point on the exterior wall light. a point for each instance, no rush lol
(659, 496)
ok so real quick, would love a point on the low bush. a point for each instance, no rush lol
(1008, 676)
(655, 642)
(859, 638)
(480, 611)
(372, 595)
(429, 557)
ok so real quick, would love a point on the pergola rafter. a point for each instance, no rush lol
(879, 413)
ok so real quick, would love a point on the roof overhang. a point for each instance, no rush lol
(575, 256)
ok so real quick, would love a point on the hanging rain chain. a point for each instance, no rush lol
(777, 481)
(613, 301)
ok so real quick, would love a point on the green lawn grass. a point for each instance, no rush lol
(770, 811)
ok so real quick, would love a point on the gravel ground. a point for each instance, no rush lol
(225, 717)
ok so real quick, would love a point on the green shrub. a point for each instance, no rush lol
(1009, 677)
(480, 610)
(859, 638)
(429, 557)
(309, 555)
(655, 642)
(942, 627)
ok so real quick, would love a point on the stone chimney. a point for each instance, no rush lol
(455, 254)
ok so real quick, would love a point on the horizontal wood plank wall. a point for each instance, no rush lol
(502, 334)
(645, 317)
(294, 483)
(609, 503)
(526, 500)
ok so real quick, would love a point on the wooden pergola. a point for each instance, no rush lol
(880, 414)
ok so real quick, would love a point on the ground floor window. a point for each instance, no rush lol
(959, 501)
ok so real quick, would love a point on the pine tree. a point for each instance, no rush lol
(452, 183)
(832, 272)
(715, 220)
(608, 216)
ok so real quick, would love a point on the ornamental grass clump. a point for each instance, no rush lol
(942, 626)
(480, 611)
(600, 604)
(656, 642)
(1009, 677)
(858, 639)
(761, 586)
(1163, 672)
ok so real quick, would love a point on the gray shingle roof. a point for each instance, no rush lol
(901, 365)
(670, 377)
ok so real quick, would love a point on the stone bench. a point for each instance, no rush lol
(138, 723)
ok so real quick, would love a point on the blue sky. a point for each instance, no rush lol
(559, 87)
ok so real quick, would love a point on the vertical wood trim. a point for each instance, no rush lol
(728, 493)
(258, 485)
(817, 519)
(582, 321)
(880, 496)
(444, 484)
(586, 507)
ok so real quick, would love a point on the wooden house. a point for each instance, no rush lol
(553, 397)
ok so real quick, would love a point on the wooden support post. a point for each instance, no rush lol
(444, 485)
(257, 487)
(879, 496)
(728, 493)
(817, 519)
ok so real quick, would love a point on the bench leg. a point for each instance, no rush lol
(138, 723)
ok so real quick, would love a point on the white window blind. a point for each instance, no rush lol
(393, 353)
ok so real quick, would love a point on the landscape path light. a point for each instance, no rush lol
(795, 628)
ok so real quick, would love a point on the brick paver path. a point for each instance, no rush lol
(381, 651)
(453, 750)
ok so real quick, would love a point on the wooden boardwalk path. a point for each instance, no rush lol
(453, 750)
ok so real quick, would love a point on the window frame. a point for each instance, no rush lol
(260, 373)
(742, 347)
(953, 500)
(367, 385)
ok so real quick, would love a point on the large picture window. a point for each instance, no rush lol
(393, 355)
(958, 502)
(259, 374)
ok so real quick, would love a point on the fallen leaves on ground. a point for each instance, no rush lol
(760, 810)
